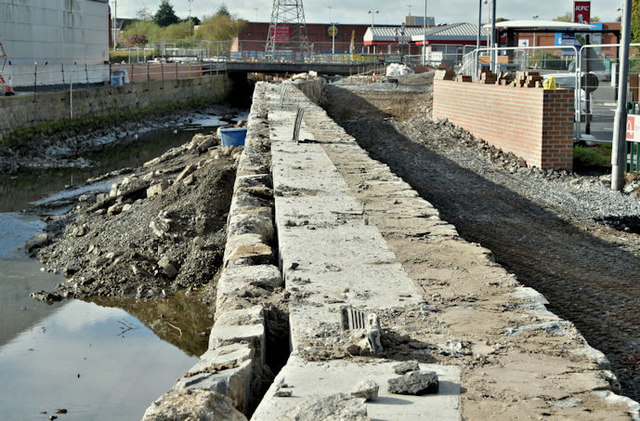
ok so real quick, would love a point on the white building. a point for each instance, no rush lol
(61, 36)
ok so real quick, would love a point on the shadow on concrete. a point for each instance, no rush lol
(591, 282)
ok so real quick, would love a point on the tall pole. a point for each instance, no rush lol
(618, 151)
(424, 35)
(494, 52)
(479, 39)
(115, 24)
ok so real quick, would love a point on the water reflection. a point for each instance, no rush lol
(98, 363)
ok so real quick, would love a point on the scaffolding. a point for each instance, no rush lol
(287, 29)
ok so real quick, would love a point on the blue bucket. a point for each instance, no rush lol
(233, 136)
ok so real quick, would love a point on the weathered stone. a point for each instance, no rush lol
(406, 366)
(196, 405)
(114, 209)
(157, 188)
(131, 186)
(227, 370)
(188, 180)
(366, 389)
(185, 172)
(246, 325)
(37, 241)
(208, 142)
(339, 406)
(167, 267)
(199, 243)
(159, 227)
(415, 383)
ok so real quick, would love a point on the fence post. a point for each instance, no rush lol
(148, 75)
(86, 74)
(64, 88)
(176, 74)
(162, 72)
(35, 79)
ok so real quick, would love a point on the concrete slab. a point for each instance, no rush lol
(308, 380)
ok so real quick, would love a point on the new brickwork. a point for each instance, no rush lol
(533, 123)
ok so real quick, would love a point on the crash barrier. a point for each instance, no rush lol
(167, 71)
(21, 111)
(535, 124)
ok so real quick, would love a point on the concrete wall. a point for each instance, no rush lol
(28, 110)
(534, 124)
(54, 32)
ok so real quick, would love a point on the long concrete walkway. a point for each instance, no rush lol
(353, 237)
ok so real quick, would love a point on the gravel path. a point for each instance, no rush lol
(539, 224)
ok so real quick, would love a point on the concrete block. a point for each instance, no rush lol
(236, 278)
(227, 370)
(201, 405)
(245, 325)
(252, 221)
(315, 380)
(247, 249)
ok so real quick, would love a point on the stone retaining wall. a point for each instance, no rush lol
(534, 124)
(29, 110)
(234, 364)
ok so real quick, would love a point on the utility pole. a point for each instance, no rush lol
(478, 40)
(618, 151)
(287, 27)
(424, 36)
(494, 51)
(115, 24)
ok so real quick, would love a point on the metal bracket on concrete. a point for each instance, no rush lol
(297, 124)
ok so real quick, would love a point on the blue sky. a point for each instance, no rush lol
(355, 11)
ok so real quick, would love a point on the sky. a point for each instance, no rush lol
(356, 11)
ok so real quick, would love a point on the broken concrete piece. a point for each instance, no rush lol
(333, 407)
(196, 405)
(167, 267)
(157, 188)
(366, 389)
(415, 383)
(406, 366)
(185, 172)
(37, 241)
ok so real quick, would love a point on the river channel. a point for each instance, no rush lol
(78, 360)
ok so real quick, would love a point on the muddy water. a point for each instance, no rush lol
(95, 360)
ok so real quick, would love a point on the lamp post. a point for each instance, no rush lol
(115, 24)
(424, 36)
(534, 17)
(373, 13)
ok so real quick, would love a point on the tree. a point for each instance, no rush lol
(165, 15)
(137, 40)
(222, 10)
(219, 27)
(635, 21)
(145, 14)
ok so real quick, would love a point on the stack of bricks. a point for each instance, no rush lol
(528, 80)
(487, 77)
(444, 74)
(463, 78)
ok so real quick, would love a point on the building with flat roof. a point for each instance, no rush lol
(50, 41)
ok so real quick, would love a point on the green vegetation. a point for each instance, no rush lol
(165, 25)
(598, 156)
(165, 15)
(568, 17)
(119, 56)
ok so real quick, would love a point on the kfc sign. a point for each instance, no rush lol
(582, 12)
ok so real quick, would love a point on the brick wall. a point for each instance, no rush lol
(534, 124)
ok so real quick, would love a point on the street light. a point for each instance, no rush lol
(115, 24)
(373, 13)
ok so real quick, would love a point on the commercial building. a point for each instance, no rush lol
(50, 42)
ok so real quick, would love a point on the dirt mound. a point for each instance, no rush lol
(159, 230)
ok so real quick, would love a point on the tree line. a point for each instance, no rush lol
(165, 24)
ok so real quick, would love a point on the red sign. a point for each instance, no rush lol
(282, 33)
(633, 128)
(582, 12)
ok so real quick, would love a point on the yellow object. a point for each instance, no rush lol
(549, 83)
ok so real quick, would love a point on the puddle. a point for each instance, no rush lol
(98, 363)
